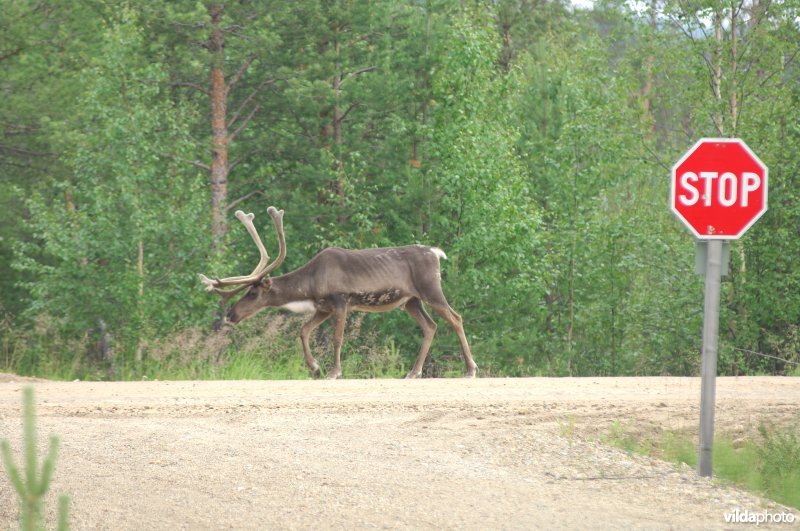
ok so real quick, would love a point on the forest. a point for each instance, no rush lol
(531, 140)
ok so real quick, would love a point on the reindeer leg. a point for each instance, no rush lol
(339, 318)
(417, 311)
(319, 318)
(452, 317)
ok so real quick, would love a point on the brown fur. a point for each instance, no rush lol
(337, 281)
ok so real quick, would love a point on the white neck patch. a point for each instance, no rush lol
(300, 306)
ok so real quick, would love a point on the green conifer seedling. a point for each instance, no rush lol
(30, 488)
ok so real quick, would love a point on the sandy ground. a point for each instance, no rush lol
(430, 454)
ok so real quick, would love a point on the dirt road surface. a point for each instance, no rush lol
(353, 454)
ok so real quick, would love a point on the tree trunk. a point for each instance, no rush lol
(716, 77)
(647, 89)
(140, 295)
(734, 103)
(337, 128)
(419, 145)
(508, 50)
(140, 270)
(220, 138)
(734, 85)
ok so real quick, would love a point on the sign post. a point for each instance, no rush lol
(718, 190)
(708, 361)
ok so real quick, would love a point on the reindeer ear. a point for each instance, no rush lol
(266, 283)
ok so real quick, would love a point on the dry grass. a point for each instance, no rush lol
(187, 346)
(266, 346)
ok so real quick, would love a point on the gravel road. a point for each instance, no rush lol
(430, 454)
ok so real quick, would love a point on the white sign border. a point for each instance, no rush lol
(673, 181)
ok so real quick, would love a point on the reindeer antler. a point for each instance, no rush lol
(262, 269)
(277, 220)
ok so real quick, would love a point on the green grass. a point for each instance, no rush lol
(768, 464)
(678, 448)
(266, 347)
(237, 366)
(619, 437)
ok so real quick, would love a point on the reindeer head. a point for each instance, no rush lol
(257, 283)
(257, 297)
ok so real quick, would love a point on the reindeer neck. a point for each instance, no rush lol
(291, 287)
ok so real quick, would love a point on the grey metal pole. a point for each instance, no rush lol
(708, 367)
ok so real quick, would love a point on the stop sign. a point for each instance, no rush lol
(719, 188)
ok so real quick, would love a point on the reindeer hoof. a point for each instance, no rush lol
(472, 372)
(412, 375)
(316, 373)
(334, 374)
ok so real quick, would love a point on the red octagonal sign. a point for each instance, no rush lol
(719, 188)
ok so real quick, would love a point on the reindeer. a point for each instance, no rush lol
(337, 281)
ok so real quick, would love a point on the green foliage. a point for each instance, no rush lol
(530, 142)
(769, 465)
(779, 454)
(264, 347)
(678, 448)
(486, 218)
(617, 437)
(740, 463)
(124, 247)
(31, 484)
(45, 349)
